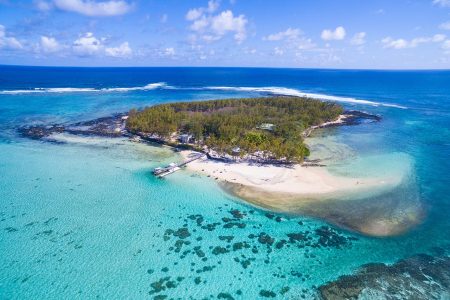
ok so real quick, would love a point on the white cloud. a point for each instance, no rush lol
(213, 6)
(94, 8)
(200, 24)
(278, 51)
(445, 26)
(169, 51)
(358, 39)
(337, 34)
(226, 22)
(438, 38)
(289, 34)
(389, 42)
(443, 3)
(293, 40)
(43, 5)
(395, 44)
(122, 51)
(214, 27)
(194, 14)
(8, 42)
(446, 45)
(49, 44)
(88, 44)
(304, 44)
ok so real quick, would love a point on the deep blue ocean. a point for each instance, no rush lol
(86, 219)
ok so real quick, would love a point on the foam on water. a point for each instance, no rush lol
(298, 93)
(148, 87)
(162, 85)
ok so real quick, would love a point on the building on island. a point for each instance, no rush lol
(186, 138)
(236, 151)
(266, 126)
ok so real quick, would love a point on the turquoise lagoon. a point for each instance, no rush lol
(85, 218)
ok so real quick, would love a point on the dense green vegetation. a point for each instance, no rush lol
(225, 124)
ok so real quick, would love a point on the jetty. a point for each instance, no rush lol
(173, 167)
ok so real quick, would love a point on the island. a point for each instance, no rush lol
(258, 150)
(264, 130)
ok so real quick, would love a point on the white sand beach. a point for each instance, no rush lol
(283, 179)
(363, 204)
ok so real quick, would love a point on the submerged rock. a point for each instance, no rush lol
(418, 277)
(111, 126)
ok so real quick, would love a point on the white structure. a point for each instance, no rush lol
(185, 138)
(266, 126)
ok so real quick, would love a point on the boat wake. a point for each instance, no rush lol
(164, 86)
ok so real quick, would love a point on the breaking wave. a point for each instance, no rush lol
(298, 93)
(151, 86)
(162, 85)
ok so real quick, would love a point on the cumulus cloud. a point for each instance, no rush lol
(304, 43)
(292, 40)
(289, 34)
(122, 51)
(49, 44)
(8, 42)
(358, 39)
(213, 5)
(43, 5)
(337, 34)
(389, 42)
(445, 26)
(211, 27)
(93, 8)
(446, 45)
(227, 22)
(437, 38)
(195, 13)
(443, 3)
(88, 44)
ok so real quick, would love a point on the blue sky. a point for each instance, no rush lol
(400, 34)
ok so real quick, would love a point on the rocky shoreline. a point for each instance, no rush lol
(115, 126)
(112, 126)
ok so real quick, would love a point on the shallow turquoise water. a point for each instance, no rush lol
(86, 219)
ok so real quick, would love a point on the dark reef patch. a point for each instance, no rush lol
(206, 251)
(267, 294)
(105, 126)
(418, 277)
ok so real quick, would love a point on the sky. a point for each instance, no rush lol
(346, 34)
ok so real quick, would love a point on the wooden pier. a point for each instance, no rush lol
(173, 167)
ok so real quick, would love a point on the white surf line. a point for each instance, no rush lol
(151, 86)
(163, 85)
(294, 92)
